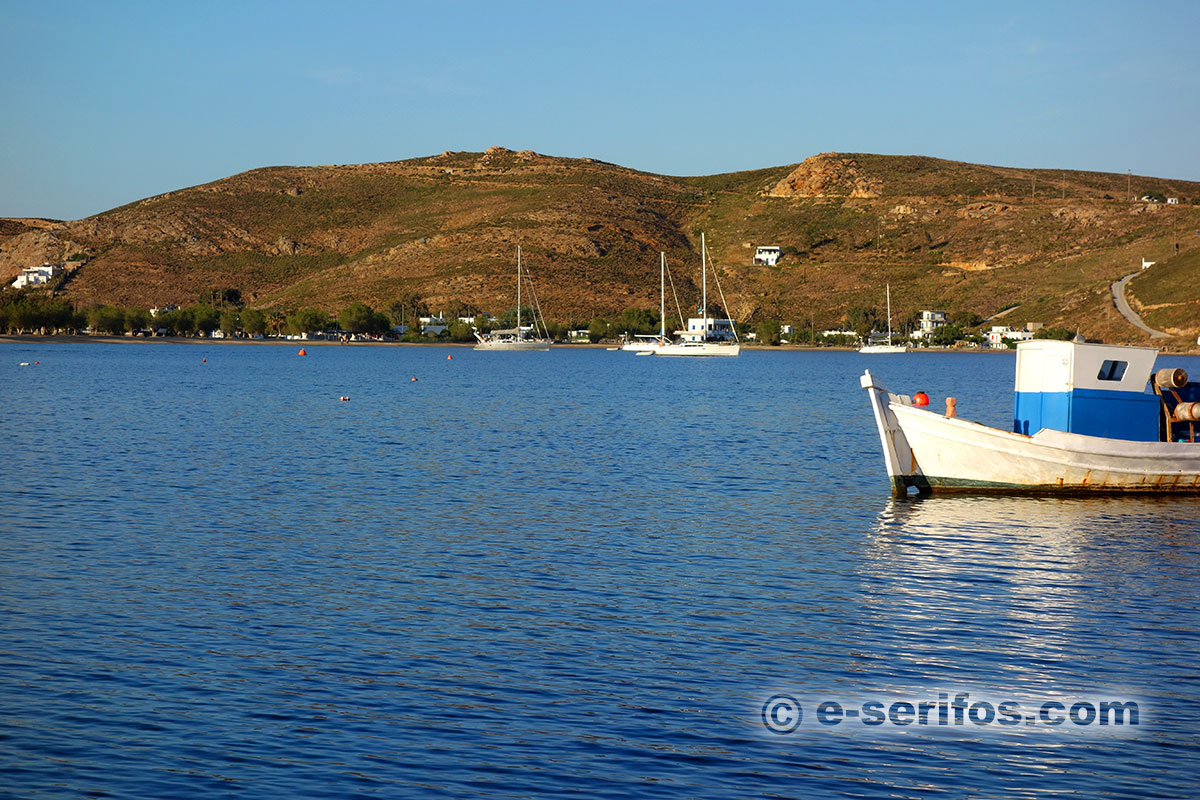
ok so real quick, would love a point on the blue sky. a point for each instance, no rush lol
(104, 103)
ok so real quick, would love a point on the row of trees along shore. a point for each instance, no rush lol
(31, 311)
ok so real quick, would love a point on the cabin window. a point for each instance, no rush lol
(1112, 370)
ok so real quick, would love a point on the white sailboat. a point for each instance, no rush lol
(889, 347)
(645, 343)
(513, 338)
(702, 346)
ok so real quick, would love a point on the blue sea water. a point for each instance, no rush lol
(547, 574)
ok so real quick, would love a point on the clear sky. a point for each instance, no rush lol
(103, 103)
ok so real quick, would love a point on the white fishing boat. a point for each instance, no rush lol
(889, 347)
(1087, 418)
(702, 344)
(518, 338)
(644, 343)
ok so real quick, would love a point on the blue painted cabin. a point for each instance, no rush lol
(1091, 389)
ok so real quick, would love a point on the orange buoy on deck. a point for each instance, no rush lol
(920, 399)
(302, 353)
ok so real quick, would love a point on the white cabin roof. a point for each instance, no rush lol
(1048, 365)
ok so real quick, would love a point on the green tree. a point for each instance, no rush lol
(598, 330)
(137, 319)
(861, 320)
(361, 318)
(308, 320)
(107, 319)
(946, 335)
(638, 320)
(460, 332)
(206, 318)
(557, 331)
(230, 321)
(254, 322)
(768, 332)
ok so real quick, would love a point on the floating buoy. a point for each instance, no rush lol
(36, 363)
(449, 357)
(204, 361)
(414, 379)
(920, 399)
(343, 398)
(302, 353)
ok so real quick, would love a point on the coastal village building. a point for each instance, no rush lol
(930, 322)
(718, 330)
(999, 333)
(36, 276)
(767, 256)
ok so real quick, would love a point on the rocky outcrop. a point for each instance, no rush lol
(827, 175)
(982, 210)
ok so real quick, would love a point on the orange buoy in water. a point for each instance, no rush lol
(449, 357)
(414, 379)
(920, 399)
(204, 361)
(302, 353)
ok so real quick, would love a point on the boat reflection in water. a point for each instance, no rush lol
(1033, 596)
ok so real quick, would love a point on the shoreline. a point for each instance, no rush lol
(30, 338)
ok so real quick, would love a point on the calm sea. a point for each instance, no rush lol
(570, 573)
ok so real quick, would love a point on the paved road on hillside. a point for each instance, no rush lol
(1118, 291)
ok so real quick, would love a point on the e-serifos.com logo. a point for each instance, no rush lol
(784, 713)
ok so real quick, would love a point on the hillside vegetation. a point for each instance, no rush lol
(970, 239)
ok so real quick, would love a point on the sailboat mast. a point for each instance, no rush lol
(888, 289)
(518, 291)
(662, 295)
(704, 285)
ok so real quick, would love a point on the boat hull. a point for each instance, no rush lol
(523, 344)
(935, 454)
(652, 346)
(698, 349)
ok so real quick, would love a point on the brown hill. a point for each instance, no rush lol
(963, 237)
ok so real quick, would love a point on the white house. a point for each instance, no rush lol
(1148, 264)
(718, 329)
(36, 276)
(1173, 201)
(999, 333)
(930, 322)
(767, 255)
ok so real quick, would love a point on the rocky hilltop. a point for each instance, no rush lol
(961, 237)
